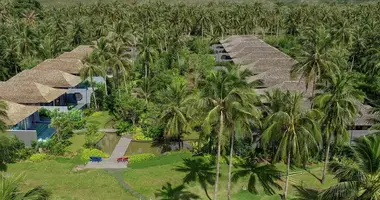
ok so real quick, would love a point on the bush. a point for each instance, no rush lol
(86, 153)
(38, 157)
(141, 136)
(137, 158)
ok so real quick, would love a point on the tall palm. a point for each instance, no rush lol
(174, 114)
(220, 93)
(10, 189)
(265, 174)
(314, 60)
(3, 116)
(89, 71)
(200, 170)
(357, 180)
(295, 131)
(338, 102)
(147, 53)
(169, 193)
(120, 62)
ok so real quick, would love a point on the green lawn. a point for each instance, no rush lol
(58, 177)
(77, 142)
(149, 176)
(101, 119)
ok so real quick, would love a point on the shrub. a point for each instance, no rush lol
(137, 158)
(141, 136)
(86, 153)
(38, 157)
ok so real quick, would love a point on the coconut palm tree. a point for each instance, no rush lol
(358, 179)
(3, 116)
(89, 71)
(296, 132)
(198, 170)
(10, 189)
(338, 102)
(169, 193)
(314, 60)
(120, 62)
(265, 174)
(220, 92)
(176, 98)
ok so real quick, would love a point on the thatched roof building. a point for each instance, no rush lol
(51, 78)
(365, 115)
(17, 112)
(69, 65)
(81, 52)
(26, 92)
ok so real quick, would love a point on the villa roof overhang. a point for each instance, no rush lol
(26, 92)
(17, 112)
(69, 65)
(51, 78)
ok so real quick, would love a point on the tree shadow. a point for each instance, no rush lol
(3, 167)
(311, 173)
(198, 170)
(169, 192)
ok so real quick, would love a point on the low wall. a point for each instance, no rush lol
(27, 136)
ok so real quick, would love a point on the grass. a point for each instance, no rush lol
(77, 142)
(100, 119)
(58, 177)
(149, 176)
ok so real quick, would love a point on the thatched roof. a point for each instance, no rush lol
(365, 115)
(51, 78)
(81, 52)
(69, 65)
(251, 49)
(272, 77)
(292, 86)
(26, 92)
(265, 64)
(238, 38)
(254, 57)
(17, 112)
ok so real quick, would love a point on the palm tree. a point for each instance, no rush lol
(10, 189)
(338, 102)
(265, 174)
(199, 170)
(169, 193)
(3, 116)
(220, 93)
(358, 179)
(120, 62)
(174, 114)
(315, 60)
(295, 131)
(147, 53)
(89, 70)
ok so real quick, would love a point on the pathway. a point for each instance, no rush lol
(111, 162)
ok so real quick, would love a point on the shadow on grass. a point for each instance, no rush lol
(179, 192)
(3, 167)
(315, 176)
(198, 170)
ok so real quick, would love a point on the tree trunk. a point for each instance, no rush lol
(105, 84)
(287, 177)
(218, 155)
(230, 165)
(93, 93)
(326, 161)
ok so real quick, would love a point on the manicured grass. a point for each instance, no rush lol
(58, 177)
(149, 176)
(100, 119)
(77, 142)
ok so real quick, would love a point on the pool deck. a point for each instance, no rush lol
(111, 162)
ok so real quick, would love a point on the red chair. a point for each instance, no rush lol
(122, 159)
